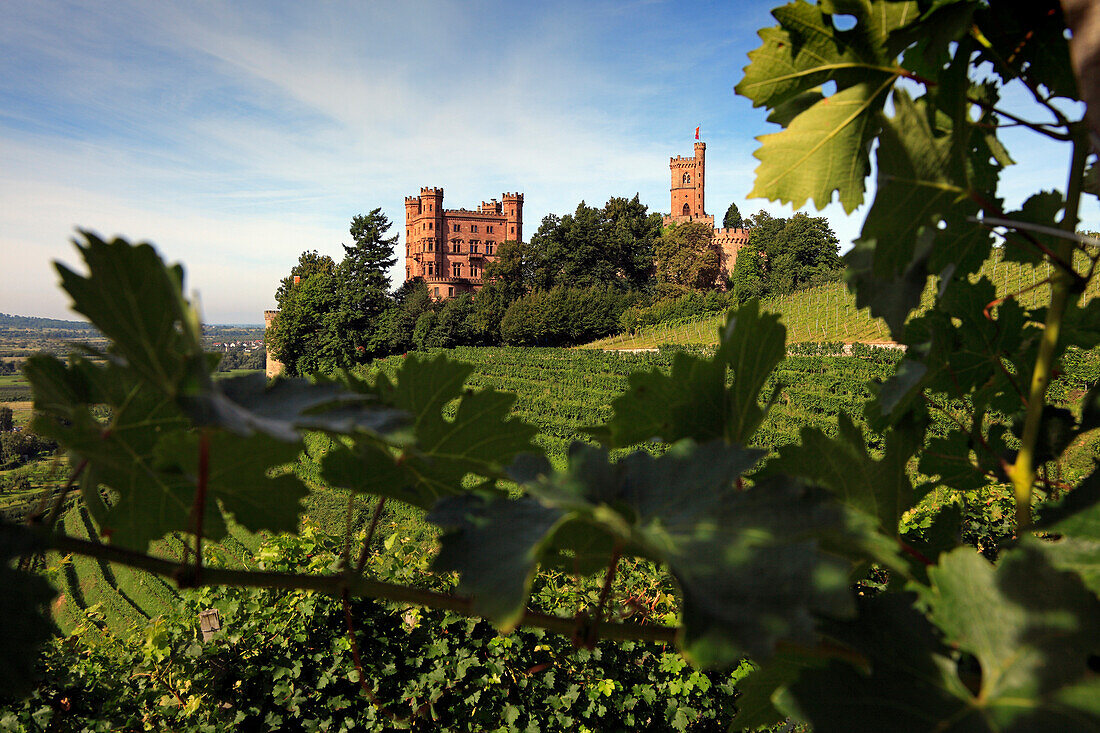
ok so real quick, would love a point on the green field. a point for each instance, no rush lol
(828, 313)
(559, 391)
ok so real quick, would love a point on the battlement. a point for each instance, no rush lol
(509, 196)
(732, 232)
(431, 192)
(412, 200)
(682, 160)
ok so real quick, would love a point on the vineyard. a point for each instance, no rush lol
(828, 313)
(560, 391)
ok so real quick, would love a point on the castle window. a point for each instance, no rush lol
(437, 292)
(431, 268)
(488, 248)
(489, 229)
(473, 227)
(513, 230)
(473, 272)
(687, 179)
(473, 247)
(450, 292)
(456, 228)
(687, 210)
(429, 226)
(456, 247)
(456, 269)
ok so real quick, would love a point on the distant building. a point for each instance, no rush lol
(449, 248)
(687, 193)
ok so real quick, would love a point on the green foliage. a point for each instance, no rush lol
(283, 660)
(767, 560)
(591, 247)
(333, 316)
(687, 256)
(732, 219)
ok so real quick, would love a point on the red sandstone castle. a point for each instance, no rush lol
(687, 193)
(449, 248)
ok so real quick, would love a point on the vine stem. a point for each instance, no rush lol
(198, 511)
(335, 585)
(1024, 469)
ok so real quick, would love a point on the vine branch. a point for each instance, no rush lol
(334, 585)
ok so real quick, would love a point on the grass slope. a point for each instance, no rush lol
(828, 313)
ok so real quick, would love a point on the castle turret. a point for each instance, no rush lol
(513, 216)
(687, 187)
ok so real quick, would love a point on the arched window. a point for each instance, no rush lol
(687, 210)
(687, 179)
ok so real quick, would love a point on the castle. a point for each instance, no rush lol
(687, 193)
(449, 248)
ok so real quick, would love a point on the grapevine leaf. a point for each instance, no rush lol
(752, 344)
(1031, 627)
(1026, 38)
(25, 605)
(749, 564)
(903, 674)
(693, 401)
(764, 699)
(239, 478)
(482, 439)
(690, 401)
(950, 459)
(881, 489)
(282, 409)
(1075, 522)
(120, 454)
(889, 297)
(137, 302)
(495, 546)
(1041, 208)
(824, 148)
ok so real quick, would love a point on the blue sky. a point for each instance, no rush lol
(236, 135)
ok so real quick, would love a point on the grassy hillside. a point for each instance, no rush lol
(826, 313)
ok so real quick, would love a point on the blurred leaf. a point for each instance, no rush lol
(482, 439)
(844, 465)
(748, 563)
(25, 607)
(693, 401)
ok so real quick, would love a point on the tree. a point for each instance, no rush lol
(805, 253)
(329, 319)
(362, 285)
(748, 275)
(687, 256)
(394, 334)
(594, 247)
(5, 419)
(732, 219)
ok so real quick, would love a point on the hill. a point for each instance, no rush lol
(34, 322)
(826, 313)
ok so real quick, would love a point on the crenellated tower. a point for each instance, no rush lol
(513, 217)
(688, 186)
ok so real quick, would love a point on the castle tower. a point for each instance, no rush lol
(274, 367)
(513, 217)
(688, 185)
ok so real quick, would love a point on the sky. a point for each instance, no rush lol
(235, 136)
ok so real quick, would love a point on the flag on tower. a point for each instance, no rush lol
(696, 133)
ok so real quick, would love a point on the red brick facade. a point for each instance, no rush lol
(449, 248)
(687, 194)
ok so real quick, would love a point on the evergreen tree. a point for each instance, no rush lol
(732, 219)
